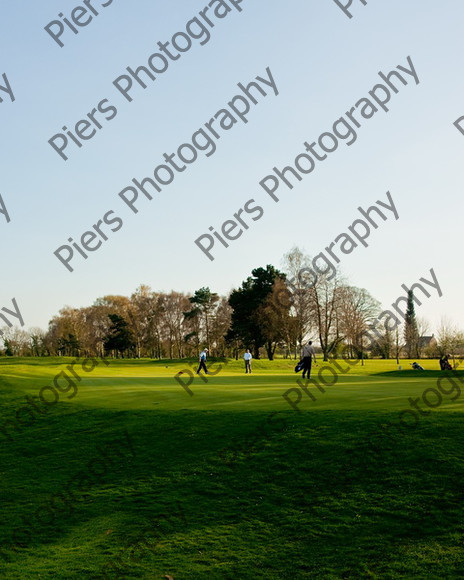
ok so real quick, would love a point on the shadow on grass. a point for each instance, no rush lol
(413, 373)
(307, 495)
(310, 500)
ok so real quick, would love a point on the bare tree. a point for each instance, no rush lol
(37, 341)
(325, 309)
(316, 300)
(139, 313)
(385, 343)
(358, 309)
(174, 306)
(16, 341)
(450, 340)
(220, 324)
(423, 327)
(399, 345)
(300, 278)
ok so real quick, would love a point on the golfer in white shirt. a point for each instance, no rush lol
(307, 355)
(247, 356)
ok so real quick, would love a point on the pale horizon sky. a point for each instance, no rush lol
(322, 64)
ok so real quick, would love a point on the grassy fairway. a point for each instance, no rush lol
(229, 483)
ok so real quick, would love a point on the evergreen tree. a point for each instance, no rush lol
(204, 302)
(69, 345)
(119, 337)
(8, 349)
(248, 326)
(411, 334)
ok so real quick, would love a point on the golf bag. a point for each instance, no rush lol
(417, 366)
(299, 367)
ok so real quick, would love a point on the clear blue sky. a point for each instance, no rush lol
(322, 63)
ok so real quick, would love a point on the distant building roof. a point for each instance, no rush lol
(426, 340)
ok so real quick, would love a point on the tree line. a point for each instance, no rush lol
(272, 312)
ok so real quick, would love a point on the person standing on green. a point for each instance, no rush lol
(202, 360)
(307, 355)
(247, 357)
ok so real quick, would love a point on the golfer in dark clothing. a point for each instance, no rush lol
(202, 360)
(307, 355)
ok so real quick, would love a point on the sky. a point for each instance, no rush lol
(322, 63)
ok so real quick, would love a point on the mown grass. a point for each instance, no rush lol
(230, 483)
